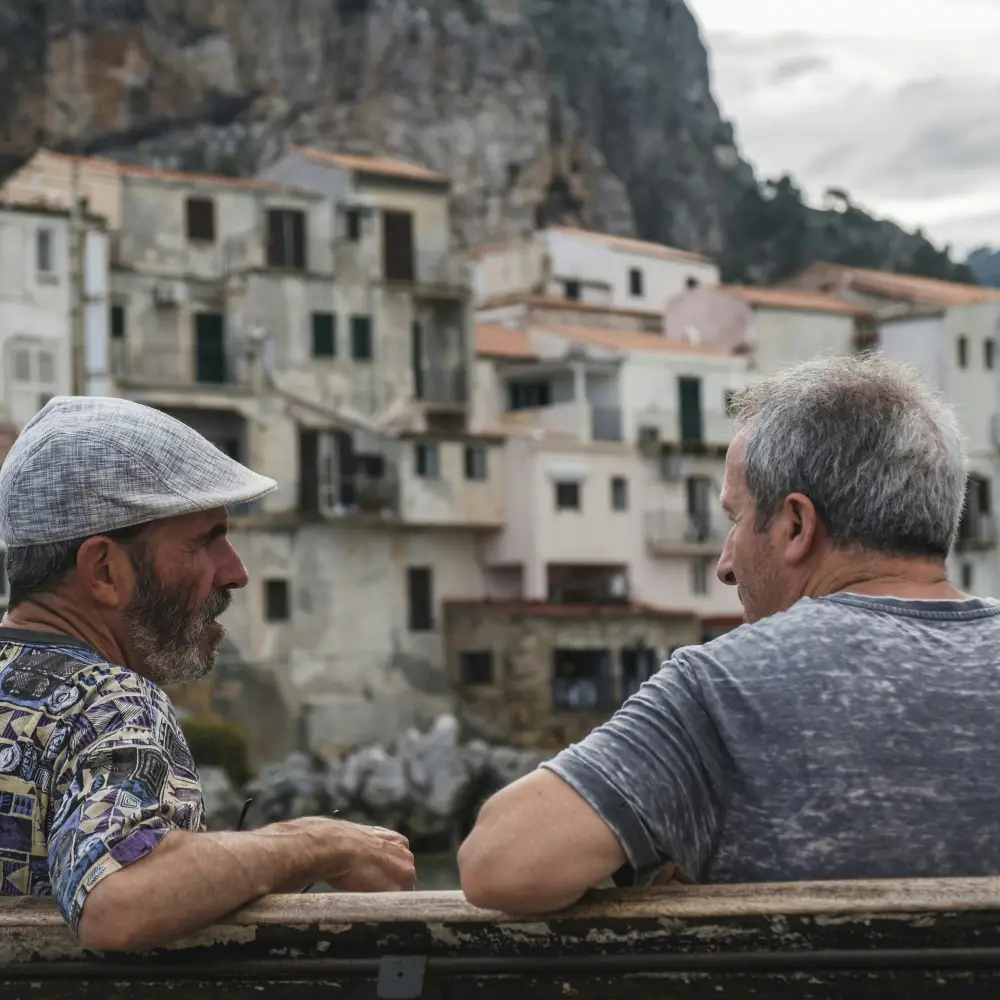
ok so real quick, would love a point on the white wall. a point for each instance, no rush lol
(592, 262)
(784, 337)
(34, 313)
(347, 649)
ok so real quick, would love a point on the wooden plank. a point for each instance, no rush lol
(678, 902)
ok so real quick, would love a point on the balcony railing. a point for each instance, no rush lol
(438, 385)
(171, 367)
(668, 531)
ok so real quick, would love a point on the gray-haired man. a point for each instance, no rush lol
(849, 731)
(115, 518)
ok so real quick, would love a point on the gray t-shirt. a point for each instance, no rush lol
(848, 737)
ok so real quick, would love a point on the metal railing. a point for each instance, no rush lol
(439, 385)
(670, 531)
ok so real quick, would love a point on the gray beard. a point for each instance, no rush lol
(167, 635)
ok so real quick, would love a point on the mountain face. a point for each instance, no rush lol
(597, 112)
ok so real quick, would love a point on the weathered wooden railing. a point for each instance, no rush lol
(809, 940)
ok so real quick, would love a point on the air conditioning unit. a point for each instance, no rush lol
(648, 440)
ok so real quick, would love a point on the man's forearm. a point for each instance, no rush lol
(188, 881)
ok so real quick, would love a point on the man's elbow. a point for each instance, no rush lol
(485, 879)
(109, 923)
(493, 878)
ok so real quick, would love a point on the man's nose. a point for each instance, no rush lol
(231, 574)
(724, 569)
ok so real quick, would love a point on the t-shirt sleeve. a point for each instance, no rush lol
(658, 773)
(129, 780)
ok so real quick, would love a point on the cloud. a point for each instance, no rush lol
(792, 69)
(852, 112)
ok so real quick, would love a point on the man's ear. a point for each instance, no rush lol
(104, 571)
(800, 528)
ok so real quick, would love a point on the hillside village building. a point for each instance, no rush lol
(498, 471)
(948, 330)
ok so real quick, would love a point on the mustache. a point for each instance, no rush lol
(216, 604)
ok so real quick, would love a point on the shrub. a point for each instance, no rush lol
(215, 742)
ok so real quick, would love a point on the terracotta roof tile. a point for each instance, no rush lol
(909, 287)
(372, 165)
(627, 340)
(794, 299)
(494, 341)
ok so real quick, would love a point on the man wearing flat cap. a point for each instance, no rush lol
(115, 520)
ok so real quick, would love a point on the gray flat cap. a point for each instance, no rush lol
(87, 464)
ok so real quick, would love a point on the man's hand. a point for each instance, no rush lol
(353, 857)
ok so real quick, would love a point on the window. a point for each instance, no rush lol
(567, 496)
(353, 220)
(475, 668)
(619, 493)
(209, 348)
(689, 391)
(276, 603)
(22, 365)
(361, 338)
(963, 351)
(475, 463)
(691, 282)
(699, 576)
(420, 598)
(426, 460)
(968, 577)
(201, 220)
(46, 368)
(528, 395)
(582, 680)
(571, 289)
(988, 348)
(397, 249)
(117, 317)
(635, 282)
(43, 251)
(286, 238)
(324, 335)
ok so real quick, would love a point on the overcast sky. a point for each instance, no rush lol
(897, 101)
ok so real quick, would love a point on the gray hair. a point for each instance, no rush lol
(39, 569)
(879, 453)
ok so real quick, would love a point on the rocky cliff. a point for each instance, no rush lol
(593, 111)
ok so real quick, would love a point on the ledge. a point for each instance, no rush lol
(914, 936)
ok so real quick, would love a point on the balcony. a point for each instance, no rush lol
(669, 533)
(443, 386)
(580, 420)
(441, 274)
(711, 431)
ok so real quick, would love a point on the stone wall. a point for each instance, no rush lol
(517, 706)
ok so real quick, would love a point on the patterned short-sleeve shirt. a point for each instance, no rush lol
(94, 769)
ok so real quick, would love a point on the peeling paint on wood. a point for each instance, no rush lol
(822, 940)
